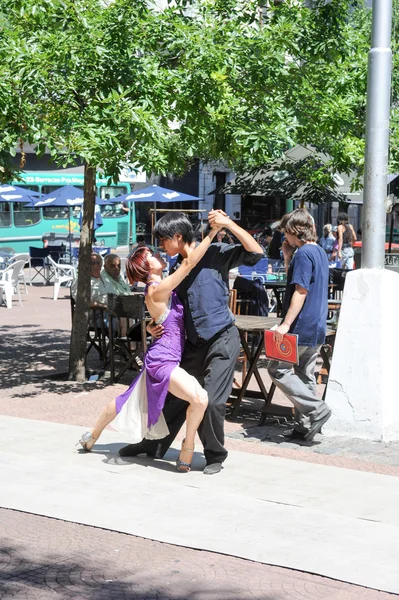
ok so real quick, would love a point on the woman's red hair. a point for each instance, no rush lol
(137, 266)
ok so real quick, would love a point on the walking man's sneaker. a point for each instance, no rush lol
(293, 434)
(317, 425)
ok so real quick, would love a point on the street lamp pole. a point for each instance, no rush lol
(377, 136)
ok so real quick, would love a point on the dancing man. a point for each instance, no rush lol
(212, 341)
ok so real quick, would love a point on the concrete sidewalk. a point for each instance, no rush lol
(346, 523)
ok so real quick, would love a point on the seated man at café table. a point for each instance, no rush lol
(305, 314)
(112, 276)
(99, 289)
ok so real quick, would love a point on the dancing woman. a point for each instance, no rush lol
(138, 411)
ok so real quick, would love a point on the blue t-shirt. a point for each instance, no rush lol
(309, 269)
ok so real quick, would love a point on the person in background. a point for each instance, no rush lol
(304, 314)
(224, 237)
(335, 262)
(98, 286)
(346, 239)
(112, 276)
(265, 237)
(274, 250)
(140, 241)
(124, 208)
(327, 242)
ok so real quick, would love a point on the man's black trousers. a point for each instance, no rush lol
(212, 363)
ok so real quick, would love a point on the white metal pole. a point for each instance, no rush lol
(377, 136)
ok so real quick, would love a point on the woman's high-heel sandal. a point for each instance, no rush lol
(181, 465)
(85, 439)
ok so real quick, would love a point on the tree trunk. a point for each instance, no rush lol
(77, 353)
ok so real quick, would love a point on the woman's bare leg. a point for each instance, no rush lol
(108, 414)
(187, 388)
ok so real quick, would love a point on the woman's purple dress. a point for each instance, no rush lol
(139, 409)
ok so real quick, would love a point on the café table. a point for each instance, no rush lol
(249, 324)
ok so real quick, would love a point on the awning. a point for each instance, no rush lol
(286, 178)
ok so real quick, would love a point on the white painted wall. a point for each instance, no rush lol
(363, 387)
(207, 184)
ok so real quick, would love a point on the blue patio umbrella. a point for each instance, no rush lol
(155, 193)
(12, 193)
(70, 196)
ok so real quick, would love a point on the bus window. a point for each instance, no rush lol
(108, 192)
(25, 215)
(5, 214)
(112, 210)
(33, 188)
(55, 212)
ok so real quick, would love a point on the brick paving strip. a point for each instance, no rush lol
(42, 558)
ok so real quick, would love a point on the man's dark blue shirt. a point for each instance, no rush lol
(205, 290)
(309, 269)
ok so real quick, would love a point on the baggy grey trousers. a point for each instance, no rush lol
(298, 383)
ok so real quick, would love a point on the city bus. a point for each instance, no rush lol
(22, 226)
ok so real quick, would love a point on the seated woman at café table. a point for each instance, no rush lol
(138, 411)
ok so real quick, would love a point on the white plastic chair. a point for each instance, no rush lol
(26, 258)
(62, 274)
(9, 282)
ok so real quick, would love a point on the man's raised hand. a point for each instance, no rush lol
(218, 219)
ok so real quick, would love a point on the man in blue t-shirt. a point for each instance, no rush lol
(305, 314)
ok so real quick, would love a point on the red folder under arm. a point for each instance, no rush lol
(286, 351)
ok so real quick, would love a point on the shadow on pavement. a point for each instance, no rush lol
(110, 451)
(31, 355)
(52, 575)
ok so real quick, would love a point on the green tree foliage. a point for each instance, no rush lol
(88, 80)
(115, 82)
(292, 75)
(103, 81)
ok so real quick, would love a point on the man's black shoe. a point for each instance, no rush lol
(159, 453)
(134, 450)
(213, 468)
(317, 425)
(293, 434)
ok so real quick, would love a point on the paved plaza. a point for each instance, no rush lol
(93, 526)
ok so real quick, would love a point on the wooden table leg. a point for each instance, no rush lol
(253, 370)
(267, 402)
(326, 364)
